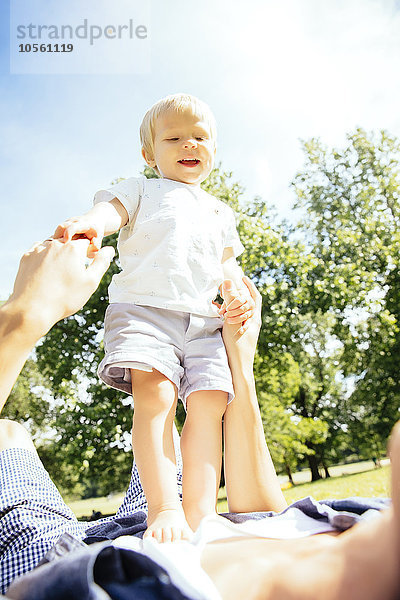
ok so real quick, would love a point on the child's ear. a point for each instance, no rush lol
(148, 158)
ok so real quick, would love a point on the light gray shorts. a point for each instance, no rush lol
(186, 348)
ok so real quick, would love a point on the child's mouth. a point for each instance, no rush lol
(189, 162)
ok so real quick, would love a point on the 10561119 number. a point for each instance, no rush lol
(45, 47)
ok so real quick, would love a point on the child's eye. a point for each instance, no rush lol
(200, 138)
(172, 139)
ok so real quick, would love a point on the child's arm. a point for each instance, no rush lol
(241, 308)
(103, 219)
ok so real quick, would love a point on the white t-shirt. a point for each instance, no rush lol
(171, 248)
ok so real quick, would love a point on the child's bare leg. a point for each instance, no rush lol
(155, 399)
(201, 445)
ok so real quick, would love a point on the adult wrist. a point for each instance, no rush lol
(26, 321)
(242, 375)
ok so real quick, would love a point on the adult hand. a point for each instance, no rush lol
(54, 281)
(241, 342)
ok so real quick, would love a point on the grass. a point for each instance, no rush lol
(367, 484)
(106, 505)
(344, 482)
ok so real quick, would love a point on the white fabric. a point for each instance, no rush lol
(182, 559)
(171, 248)
(291, 524)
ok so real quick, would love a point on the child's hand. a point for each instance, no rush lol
(238, 305)
(78, 227)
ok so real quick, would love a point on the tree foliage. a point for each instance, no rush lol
(325, 368)
(350, 199)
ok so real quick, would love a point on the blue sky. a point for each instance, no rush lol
(272, 71)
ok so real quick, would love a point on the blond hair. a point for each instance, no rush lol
(177, 103)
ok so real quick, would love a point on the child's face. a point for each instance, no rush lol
(183, 147)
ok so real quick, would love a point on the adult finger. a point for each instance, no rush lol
(236, 302)
(254, 293)
(244, 327)
(256, 296)
(72, 229)
(241, 316)
(247, 305)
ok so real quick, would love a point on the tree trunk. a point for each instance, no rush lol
(327, 474)
(289, 473)
(313, 464)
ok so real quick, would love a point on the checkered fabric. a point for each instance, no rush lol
(33, 514)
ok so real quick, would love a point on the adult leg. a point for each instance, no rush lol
(251, 481)
(360, 564)
(14, 435)
(33, 514)
(394, 452)
(201, 445)
(155, 399)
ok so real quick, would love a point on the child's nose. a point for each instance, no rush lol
(190, 143)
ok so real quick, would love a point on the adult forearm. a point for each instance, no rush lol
(18, 335)
(251, 481)
(52, 283)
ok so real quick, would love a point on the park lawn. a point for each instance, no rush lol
(371, 483)
(105, 504)
(367, 484)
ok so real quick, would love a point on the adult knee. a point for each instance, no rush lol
(14, 435)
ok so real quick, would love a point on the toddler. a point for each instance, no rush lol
(162, 330)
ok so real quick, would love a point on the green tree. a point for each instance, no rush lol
(350, 200)
(30, 400)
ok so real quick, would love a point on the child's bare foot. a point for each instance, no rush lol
(168, 525)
